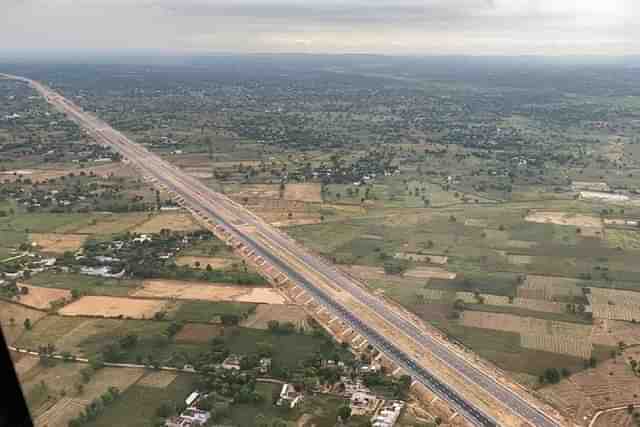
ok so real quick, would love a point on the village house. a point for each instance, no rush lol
(289, 396)
(388, 414)
(232, 362)
(362, 403)
(353, 386)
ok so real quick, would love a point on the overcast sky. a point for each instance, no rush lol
(427, 27)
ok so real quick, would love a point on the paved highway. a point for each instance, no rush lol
(287, 256)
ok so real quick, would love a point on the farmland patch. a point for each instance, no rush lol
(208, 292)
(56, 242)
(113, 307)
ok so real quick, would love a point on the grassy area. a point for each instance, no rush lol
(48, 330)
(212, 247)
(206, 311)
(138, 405)
(89, 285)
(322, 410)
(288, 350)
(12, 238)
(503, 349)
(403, 291)
(244, 415)
(519, 311)
(146, 330)
(43, 222)
(496, 283)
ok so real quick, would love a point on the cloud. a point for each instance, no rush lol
(379, 26)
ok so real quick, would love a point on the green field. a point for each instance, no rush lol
(244, 415)
(48, 330)
(207, 311)
(138, 405)
(518, 311)
(43, 222)
(503, 349)
(89, 285)
(288, 350)
(323, 410)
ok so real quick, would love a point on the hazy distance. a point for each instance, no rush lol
(404, 27)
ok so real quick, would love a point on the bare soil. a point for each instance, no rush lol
(208, 292)
(198, 332)
(113, 307)
(305, 192)
(58, 243)
(172, 221)
(42, 297)
(564, 218)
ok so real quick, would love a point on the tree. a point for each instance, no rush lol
(344, 412)
(230, 319)
(273, 325)
(128, 341)
(551, 375)
(96, 362)
(27, 324)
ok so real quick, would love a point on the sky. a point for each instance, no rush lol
(402, 27)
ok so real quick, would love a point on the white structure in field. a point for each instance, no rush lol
(289, 396)
(388, 415)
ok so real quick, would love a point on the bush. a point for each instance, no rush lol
(395, 266)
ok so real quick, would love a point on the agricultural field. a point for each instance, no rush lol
(210, 311)
(102, 306)
(106, 224)
(504, 214)
(87, 285)
(72, 403)
(207, 292)
(12, 318)
(170, 221)
(139, 403)
(202, 262)
(57, 243)
(41, 297)
(264, 313)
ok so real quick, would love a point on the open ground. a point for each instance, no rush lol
(208, 292)
(134, 308)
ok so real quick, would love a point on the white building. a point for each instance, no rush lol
(289, 396)
(388, 415)
(191, 398)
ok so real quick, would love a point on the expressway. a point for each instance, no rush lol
(312, 274)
